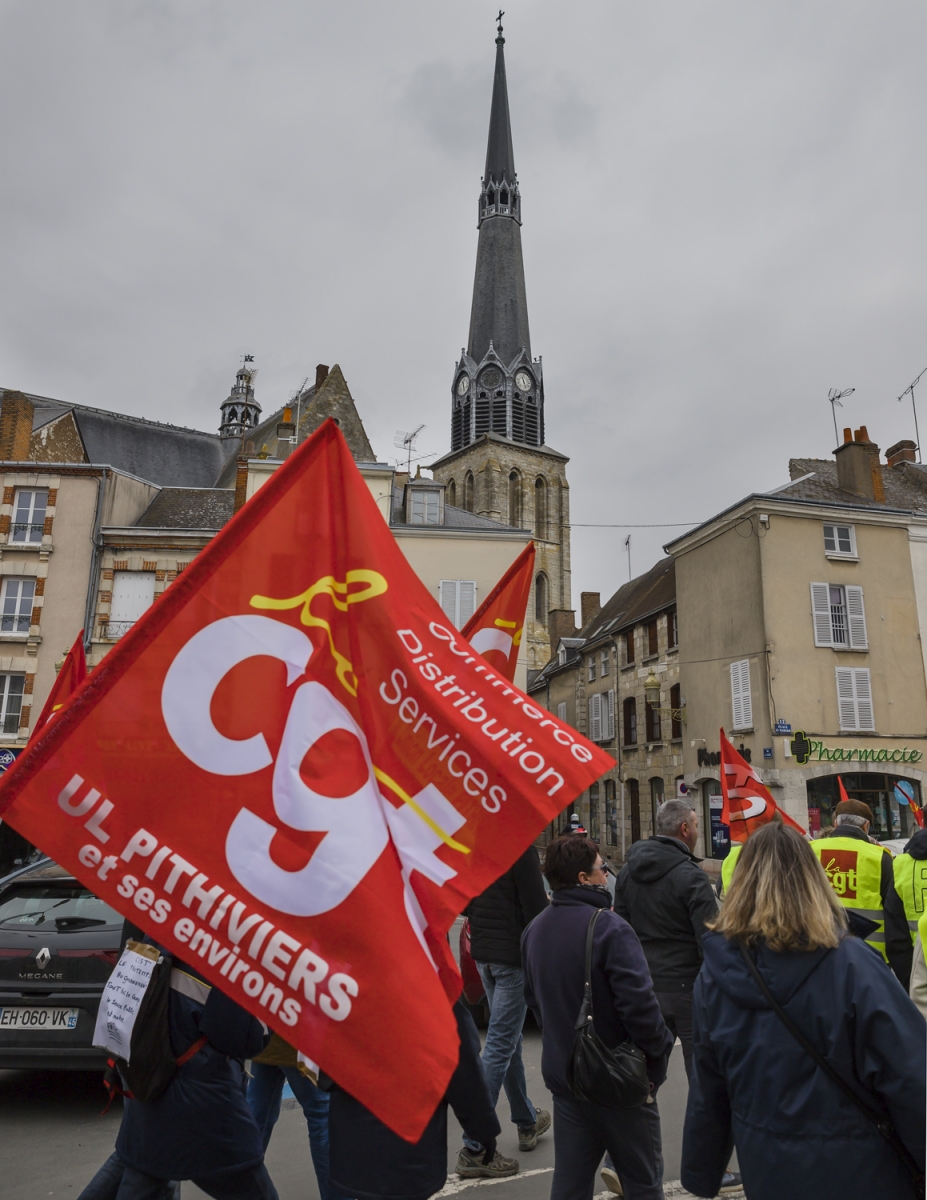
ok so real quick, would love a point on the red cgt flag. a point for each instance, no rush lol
(72, 674)
(495, 629)
(293, 773)
(748, 802)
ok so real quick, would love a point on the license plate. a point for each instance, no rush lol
(38, 1018)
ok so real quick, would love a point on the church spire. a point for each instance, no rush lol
(497, 388)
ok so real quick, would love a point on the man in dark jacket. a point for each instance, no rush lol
(497, 919)
(369, 1161)
(624, 1007)
(666, 898)
(200, 1128)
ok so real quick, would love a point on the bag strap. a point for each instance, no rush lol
(195, 1048)
(881, 1120)
(585, 1011)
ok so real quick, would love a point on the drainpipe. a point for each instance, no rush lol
(94, 561)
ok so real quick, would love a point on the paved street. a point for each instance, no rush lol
(52, 1137)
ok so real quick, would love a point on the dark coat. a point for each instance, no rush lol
(368, 1160)
(201, 1125)
(897, 935)
(917, 844)
(666, 898)
(624, 1006)
(499, 916)
(797, 1135)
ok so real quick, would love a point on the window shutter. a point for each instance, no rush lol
(467, 600)
(846, 698)
(820, 614)
(448, 599)
(856, 618)
(864, 713)
(133, 593)
(611, 714)
(595, 717)
(561, 711)
(741, 699)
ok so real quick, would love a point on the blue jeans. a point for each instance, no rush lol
(116, 1181)
(265, 1091)
(502, 1061)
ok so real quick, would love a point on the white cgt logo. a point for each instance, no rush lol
(355, 827)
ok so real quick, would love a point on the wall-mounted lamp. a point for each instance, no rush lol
(652, 696)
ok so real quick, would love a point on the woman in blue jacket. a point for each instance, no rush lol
(753, 1084)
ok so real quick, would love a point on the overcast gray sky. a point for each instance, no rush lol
(724, 217)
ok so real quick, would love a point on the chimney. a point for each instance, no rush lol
(561, 623)
(241, 481)
(590, 606)
(858, 468)
(285, 430)
(321, 374)
(16, 413)
(901, 452)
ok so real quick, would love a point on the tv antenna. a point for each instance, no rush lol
(298, 397)
(406, 441)
(910, 388)
(835, 397)
(627, 546)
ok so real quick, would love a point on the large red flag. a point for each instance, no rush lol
(748, 802)
(295, 774)
(72, 674)
(496, 628)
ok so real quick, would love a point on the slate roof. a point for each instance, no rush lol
(455, 518)
(189, 508)
(905, 486)
(168, 455)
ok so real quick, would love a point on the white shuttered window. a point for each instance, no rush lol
(839, 616)
(561, 711)
(854, 699)
(458, 600)
(741, 699)
(610, 732)
(595, 717)
(133, 593)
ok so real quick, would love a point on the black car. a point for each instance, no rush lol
(58, 946)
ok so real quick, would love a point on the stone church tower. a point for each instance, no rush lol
(499, 465)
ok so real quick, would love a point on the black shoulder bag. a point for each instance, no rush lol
(610, 1078)
(881, 1120)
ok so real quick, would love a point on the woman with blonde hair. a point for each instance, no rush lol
(803, 1041)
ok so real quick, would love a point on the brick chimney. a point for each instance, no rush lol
(858, 468)
(321, 374)
(590, 607)
(901, 452)
(285, 430)
(241, 481)
(16, 412)
(561, 623)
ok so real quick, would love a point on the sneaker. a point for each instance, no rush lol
(471, 1166)
(611, 1180)
(529, 1134)
(730, 1182)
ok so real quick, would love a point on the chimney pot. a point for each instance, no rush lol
(847, 435)
(321, 374)
(590, 607)
(16, 413)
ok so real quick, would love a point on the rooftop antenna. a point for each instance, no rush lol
(835, 397)
(298, 397)
(627, 546)
(406, 441)
(910, 388)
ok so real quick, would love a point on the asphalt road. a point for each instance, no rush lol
(53, 1138)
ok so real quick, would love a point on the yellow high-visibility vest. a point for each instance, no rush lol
(727, 867)
(911, 886)
(854, 868)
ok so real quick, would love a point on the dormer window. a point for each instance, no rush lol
(424, 505)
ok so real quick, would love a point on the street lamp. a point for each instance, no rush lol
(652, 696)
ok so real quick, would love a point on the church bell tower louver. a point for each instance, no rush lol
(499, 465)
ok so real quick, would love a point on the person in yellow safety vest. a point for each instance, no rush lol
(861, 874)
(911, 879)
(727, 867)
(918, 991)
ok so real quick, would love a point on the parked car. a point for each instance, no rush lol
(58, 946)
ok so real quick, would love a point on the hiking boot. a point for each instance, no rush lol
(528, 1134)
(730, 1182)
(470, 1165)
(611, 1180)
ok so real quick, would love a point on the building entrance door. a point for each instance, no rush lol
(634, 796)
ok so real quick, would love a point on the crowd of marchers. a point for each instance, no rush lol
(800, 1013)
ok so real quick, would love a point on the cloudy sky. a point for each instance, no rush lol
(724, 217)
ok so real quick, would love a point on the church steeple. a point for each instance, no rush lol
(497, 388)
(240, 411)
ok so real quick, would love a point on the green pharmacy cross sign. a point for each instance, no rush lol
(807, 749)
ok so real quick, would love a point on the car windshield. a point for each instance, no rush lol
(48, 907)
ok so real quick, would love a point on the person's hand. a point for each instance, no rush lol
(490, 1152)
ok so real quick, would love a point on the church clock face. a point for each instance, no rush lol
(491, 378)
(523, 381)
(463, 384)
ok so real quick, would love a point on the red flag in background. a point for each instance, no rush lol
(496, 628)
(294, 771)
(748, 802)
(72, 674)
(842, 789)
